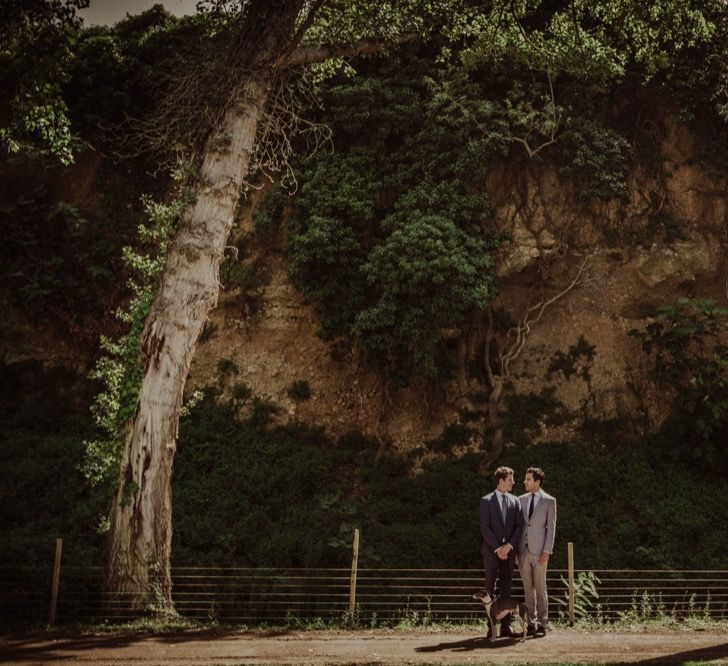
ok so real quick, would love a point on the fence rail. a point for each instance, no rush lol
(275, 596)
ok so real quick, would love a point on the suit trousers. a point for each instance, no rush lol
(502, 571)
(533, 576)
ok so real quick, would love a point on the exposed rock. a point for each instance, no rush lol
(684, 260)
(672, 245)
(666, 241)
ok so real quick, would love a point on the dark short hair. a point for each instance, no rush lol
(537, 473)
(502, 473)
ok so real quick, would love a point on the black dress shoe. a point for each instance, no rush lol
(531, 631)
(509, 633)
(540, 630)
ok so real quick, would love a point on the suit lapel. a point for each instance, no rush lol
(523, 505)
(509, 505)
(540, 506)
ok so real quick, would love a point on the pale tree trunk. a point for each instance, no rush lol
(138, 557)
(141, 528)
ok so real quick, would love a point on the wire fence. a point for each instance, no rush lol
(418, 596)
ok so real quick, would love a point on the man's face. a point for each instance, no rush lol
(508, 482)
(530, 483)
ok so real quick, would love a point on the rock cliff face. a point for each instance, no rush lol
(668, 240)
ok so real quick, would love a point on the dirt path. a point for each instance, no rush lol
(365, 647)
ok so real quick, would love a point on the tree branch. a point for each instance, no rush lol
(531, 316)
(489, 335)
(305, 25)
(556, 119)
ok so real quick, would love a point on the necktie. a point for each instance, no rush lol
(530, 507)
(503, 509)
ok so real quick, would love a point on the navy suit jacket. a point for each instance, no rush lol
(495, 533)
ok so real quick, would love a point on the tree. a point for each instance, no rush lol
(138, 567)
(265, 41)
(266, 34)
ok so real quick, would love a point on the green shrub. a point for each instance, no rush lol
(299, 391)
(453, 434)
(226, 368)
(386, 233)
(688, 346)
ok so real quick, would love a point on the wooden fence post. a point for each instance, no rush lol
(352, 581)
(56, 580)
(570, 548)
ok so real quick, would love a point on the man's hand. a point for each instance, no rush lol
(543, 559)
(503, 551)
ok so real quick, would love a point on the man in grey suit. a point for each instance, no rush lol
(535, 547)
(501, 522)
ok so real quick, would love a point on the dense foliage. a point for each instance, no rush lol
(293, 496)
(388, 235)
(688, 343)
(44, 496)
(65, 226)
(36, 54)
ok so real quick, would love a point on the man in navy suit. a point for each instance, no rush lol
(501, 524)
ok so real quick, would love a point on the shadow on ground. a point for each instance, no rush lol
(479, 643)
(40, 646)
(711, 653)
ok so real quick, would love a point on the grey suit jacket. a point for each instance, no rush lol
(538, 532)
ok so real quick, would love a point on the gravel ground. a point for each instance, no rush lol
(365, 647)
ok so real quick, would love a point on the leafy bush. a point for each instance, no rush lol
(687, 342)
(599, 159)
(527, 413)
(43, 495)
(119, 369)
(386, 234)
(294, 497)
(452, 435)
(429, 274)
(299, 390)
